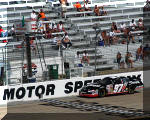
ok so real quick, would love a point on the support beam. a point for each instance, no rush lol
(28, 53)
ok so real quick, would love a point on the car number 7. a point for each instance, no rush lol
(118, 88)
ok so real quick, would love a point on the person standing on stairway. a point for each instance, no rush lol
(63, 7)
(66, 41)
(85, 58)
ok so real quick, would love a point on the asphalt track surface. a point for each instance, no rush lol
(114, 107)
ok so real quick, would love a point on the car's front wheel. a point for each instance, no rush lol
(102, 93)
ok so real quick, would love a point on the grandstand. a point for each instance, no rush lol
(79, 26)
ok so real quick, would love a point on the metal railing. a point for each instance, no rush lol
(115, 3)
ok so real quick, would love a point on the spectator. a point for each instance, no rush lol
(3, 33)
(111, 37)
(116, 38)
(66, 41)
(50, 28)
(147, 6)
(129, 35)
(133, 25)
(123, 27)
(78, 55)
(79, 58)
(105, 38)
(86, 1)
(53, 27)
(40, 26)
(60, 27)
(148, 1)
(48, 33)
(55, 40)
(129, 60)
(122, 63)
(116, 29)
(78, 7)
(140, 24)
(63, 6)
(140, 38)
(12, 31)
(120, 60)
(85, 57)
(33, 15)
(38, 17)
(42, 15)
(139, 53)
(113, 26)
(103, 12)
(101, 40)
(97, 10)
(66, 1)
(118, 57)
(86, 8)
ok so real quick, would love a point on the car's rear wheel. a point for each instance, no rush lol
(131, 90)
(102, 93)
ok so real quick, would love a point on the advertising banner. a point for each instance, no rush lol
(51, 89)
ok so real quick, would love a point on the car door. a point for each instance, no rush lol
(109, 86)
(118, 86)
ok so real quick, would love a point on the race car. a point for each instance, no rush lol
(112, 85)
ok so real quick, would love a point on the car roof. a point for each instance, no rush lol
(93, 85)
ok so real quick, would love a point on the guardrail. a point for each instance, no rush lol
(128, 15)
(13, 44)
(100, 3)
(108, 10)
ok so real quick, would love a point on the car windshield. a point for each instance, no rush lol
(125, 80)
(106, 81)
